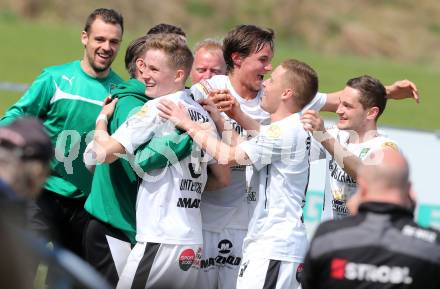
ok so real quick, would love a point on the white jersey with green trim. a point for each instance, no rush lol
(236, 202)
(339, 186)
(168, 201)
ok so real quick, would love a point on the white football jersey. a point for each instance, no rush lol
(339, 186)
(280, 174)
(168, 201)
(236, 202)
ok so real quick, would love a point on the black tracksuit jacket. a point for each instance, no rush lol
(380, 247)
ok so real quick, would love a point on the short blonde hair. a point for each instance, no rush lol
(179, 55)
(209, 44)
(303, 79)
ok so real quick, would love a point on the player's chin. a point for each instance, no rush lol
(342, 124)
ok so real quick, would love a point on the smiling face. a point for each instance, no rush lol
(352, 115)
(101, 44)
(207, 63)
(251, 69)
(274, 88)
(159, 77)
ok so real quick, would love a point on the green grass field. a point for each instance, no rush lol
(29, 47)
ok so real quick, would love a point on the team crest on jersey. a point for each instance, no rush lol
(111, 86)
(143, 111)
(274, 131)
(363, 152)
(390, 145)
(338, 195)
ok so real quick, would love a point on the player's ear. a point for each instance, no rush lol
(84, 38)
(180, 75)
(140, 65)
(372, 113)
(236, 58)
(287, 93)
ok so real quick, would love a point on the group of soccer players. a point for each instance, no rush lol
(199, 187)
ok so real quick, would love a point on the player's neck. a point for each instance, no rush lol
(282, 112)
(363, 134)
(242, 89)
(87, 68)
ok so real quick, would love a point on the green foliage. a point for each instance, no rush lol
(434, 27)
(199, 8)
(8, 16)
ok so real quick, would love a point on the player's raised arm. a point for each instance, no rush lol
(400, 89)
(202, 135)
(348, 161)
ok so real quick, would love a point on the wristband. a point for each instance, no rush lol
(102, 117)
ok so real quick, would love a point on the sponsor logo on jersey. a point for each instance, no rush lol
(342, 269)
(251, 196)
(197, 116)
(224, 258)
(194, 174)
(70, 80)
(186, 259)
(224, 246)
(299, 272)
(339, 202)
(340, 206)
(191, 186)
(419, 233)
(338, 174)
(188, 203)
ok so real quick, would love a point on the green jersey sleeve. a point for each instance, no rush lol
(161, 152)
(34, 102)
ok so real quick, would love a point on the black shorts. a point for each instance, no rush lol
(59, 219)
(106, 249)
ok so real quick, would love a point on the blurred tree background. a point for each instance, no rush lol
(403, 30)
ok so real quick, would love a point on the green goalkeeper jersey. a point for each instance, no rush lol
(114, 190)
(68, 101)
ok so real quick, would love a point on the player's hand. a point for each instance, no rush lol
(212, 109)
(108, 106)
(222, 99)
(402, 89)
(177, 114)
(312, 121)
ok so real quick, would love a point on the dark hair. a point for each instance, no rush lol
(133, 52)
(107, 15)
(245, 39)
(180, 56)
(303, 79)
(166, 28)
(372, 92)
